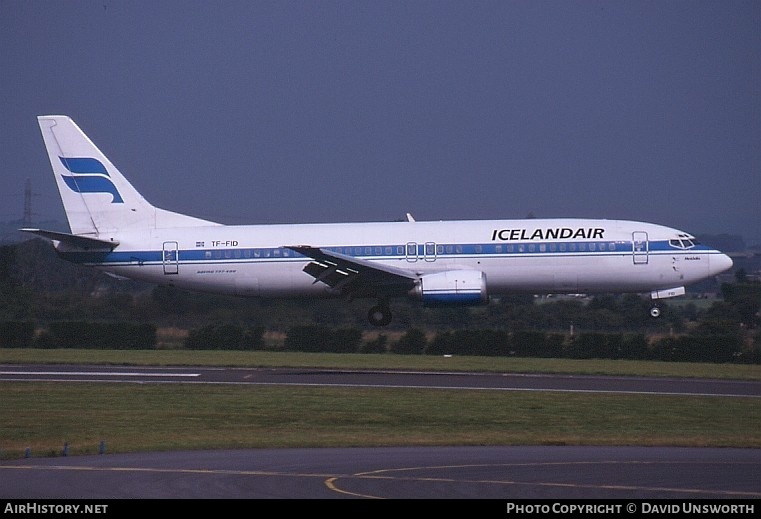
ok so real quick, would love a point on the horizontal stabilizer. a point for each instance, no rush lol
(81, 242)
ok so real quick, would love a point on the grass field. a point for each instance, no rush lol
(132, 417)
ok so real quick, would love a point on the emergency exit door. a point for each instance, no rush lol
(171, 257)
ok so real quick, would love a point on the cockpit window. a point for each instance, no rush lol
(683, 242)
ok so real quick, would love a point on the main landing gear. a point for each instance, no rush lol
(380, 314)
(655, 311)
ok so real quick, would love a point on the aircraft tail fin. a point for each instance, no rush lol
(98, 200)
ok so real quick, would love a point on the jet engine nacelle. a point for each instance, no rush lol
(452, 287)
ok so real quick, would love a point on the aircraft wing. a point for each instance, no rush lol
(355, 277)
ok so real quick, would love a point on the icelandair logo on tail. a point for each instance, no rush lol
(90, 176)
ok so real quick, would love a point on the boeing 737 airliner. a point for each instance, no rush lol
(113, 228)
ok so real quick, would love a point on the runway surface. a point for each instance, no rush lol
(398, 379)
(485, 473)
(394, 473)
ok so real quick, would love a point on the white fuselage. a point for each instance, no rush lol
(534, 256)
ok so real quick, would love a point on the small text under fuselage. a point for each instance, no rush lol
(557, 233)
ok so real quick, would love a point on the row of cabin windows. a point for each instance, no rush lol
(559, 247)
(411, 250)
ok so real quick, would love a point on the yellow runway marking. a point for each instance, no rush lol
(332, 481)
(383, 474)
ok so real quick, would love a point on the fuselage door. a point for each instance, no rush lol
(640, 247)
(430, 251)
(171, 257)
(411, 251)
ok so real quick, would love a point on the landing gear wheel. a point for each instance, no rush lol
(379, 315)
(655, 312)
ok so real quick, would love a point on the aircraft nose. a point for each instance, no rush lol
(719, 263)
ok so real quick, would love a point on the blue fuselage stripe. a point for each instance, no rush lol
(379, 252)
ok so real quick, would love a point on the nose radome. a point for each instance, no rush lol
(719, 263)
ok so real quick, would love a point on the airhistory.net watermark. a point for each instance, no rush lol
(50, 508)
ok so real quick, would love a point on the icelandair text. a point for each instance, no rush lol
(557, 233)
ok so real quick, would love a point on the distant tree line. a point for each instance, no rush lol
(78, 334)
(703, 345)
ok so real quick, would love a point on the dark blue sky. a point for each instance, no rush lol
(326, 111)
